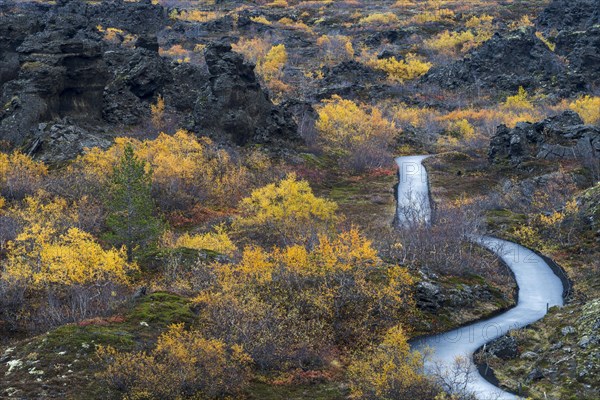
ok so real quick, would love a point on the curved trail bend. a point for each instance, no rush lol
(539, 287)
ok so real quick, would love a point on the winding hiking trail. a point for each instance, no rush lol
(539, 287)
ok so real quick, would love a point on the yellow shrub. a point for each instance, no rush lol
(177, 52)
(480, 23)
(294, 24)
(402, 70)
(413, 116)
(72, 258)
(183, 166)
(217, 241)
(588, 108)
(158, 112)
(436, 16)
(20, 174)
(182, 364)
(462, 129)
(335, 48)
(287, 209)
(195, 15)
(343, 123)
(278, 3)
(404, 3)
(261, 20)
(379, 19)
(524, 22)
(520, 101)
(272, 65)
(253, 50)
(451, 42)
(386, 370)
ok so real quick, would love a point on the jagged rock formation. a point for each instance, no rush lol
(560, 137)
(349, 78)
(520, 58)
(56, 67)
(57, 143)
(232, 101)
(504, 62)
(569, 15)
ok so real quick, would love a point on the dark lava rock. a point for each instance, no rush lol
(560, 137)
(55, 66)
(349, 78)
(569, 15)
(535, 375)
(233, 103)
(428, 296)
(504, 62)
(519, 58)
(504, 347)
(57, 143)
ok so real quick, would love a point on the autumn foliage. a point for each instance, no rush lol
(183, 364)
(358, 134)
(291, 305)
(286, 212)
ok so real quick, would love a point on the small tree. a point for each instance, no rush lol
(132, 220)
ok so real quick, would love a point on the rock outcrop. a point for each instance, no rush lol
(58, 68)
(350, 78)
(57, 143)
(505, 62)
(560, 137)
(233, 103)
(520, 58)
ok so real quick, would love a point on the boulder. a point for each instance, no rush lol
(428, 296)
(504, 347)
(232, 102)
(562, 136)
(58, 143)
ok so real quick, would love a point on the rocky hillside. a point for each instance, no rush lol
(564, 60)
(66, 87)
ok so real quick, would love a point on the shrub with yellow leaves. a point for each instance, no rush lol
(261, 20)
(408, 69)
(253, 49)
(389, 370)
(286, 212)
(157, 111)
(74, 258)
(520, 101)
(65, 273)
(588, 108)
(433, 16)
(20, 175)
(217, 241)
(358, 135)
(186, 170)
(294, 303)
(335, 48)
(183, 363)
(379, 19)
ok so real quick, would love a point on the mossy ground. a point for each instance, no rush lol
(62, 362)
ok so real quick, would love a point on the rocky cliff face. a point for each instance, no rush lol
(505, 62)
(233, 103)
(520, 58)
(56, 68)
(560, 137)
